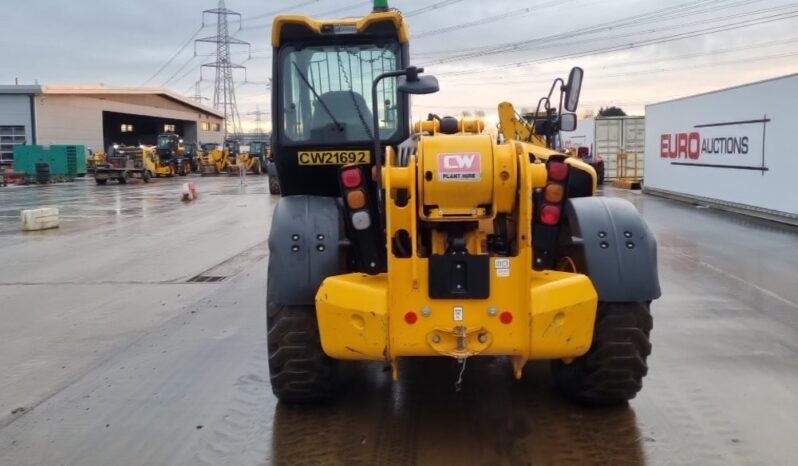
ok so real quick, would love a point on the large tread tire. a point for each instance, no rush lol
(299, 370)
(612, 371)
(274, 185)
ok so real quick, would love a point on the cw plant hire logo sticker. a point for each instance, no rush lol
(465, 166)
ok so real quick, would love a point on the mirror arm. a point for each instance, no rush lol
(535, 117)
(554, 84)
(376, 128)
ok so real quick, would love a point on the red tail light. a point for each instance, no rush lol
(557, 171)
(351, 177)
(411, 317)
(506, 317)
(550, 214)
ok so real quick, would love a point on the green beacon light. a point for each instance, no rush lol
(380, 5)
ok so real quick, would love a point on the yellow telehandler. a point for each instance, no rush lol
(392, 241)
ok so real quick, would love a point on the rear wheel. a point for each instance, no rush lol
(612, 371)
(257, 168)
(274, 185)
(299, 370)
(124, 178)
(146, 176)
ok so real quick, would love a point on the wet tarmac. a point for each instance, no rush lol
(111, 354)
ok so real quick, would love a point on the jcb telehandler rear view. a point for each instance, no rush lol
(440, 241)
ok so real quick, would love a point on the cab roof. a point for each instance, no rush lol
(298, 27)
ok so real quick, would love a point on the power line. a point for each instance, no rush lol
(553, 40)
(179, 51)
(191, 70)
(346, 8)
(655, 70)
(631, 21)
(282, 9)
(638, 44)
(491, 19)
(516, 78)
(428, 8)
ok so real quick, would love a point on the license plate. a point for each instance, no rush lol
(335, 157)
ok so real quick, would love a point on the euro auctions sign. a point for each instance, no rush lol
(733, 144)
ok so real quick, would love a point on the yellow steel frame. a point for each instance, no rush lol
(363, 317)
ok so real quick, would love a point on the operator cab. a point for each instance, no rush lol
(167, 146)
(322, 107)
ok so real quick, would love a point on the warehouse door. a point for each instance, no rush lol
(10, 136)
(133, 130)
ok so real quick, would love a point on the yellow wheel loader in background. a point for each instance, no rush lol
(441, 241)
(172, 154)
(157, 166)
(214, 159)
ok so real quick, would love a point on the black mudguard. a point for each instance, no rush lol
(304, 248)
(610, 242)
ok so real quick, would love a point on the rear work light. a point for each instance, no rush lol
(351, 177)
(550, 214)
(557, 171)
(361, 220)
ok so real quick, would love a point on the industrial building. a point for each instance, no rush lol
(97, 116)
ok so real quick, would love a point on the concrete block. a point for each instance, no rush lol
(40, 219)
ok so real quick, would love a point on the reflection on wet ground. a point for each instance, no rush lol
(83, 204)
(720, 388)
(493, 420)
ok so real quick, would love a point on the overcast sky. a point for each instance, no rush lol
(629, 59)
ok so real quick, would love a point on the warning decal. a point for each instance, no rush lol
(502, 267)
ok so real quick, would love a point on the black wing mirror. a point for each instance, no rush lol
(573, 88)
(567, 122)
(412, 83)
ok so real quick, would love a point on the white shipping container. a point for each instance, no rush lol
(621, 134)
(734, 148)
(583, 136)
(607, 136)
